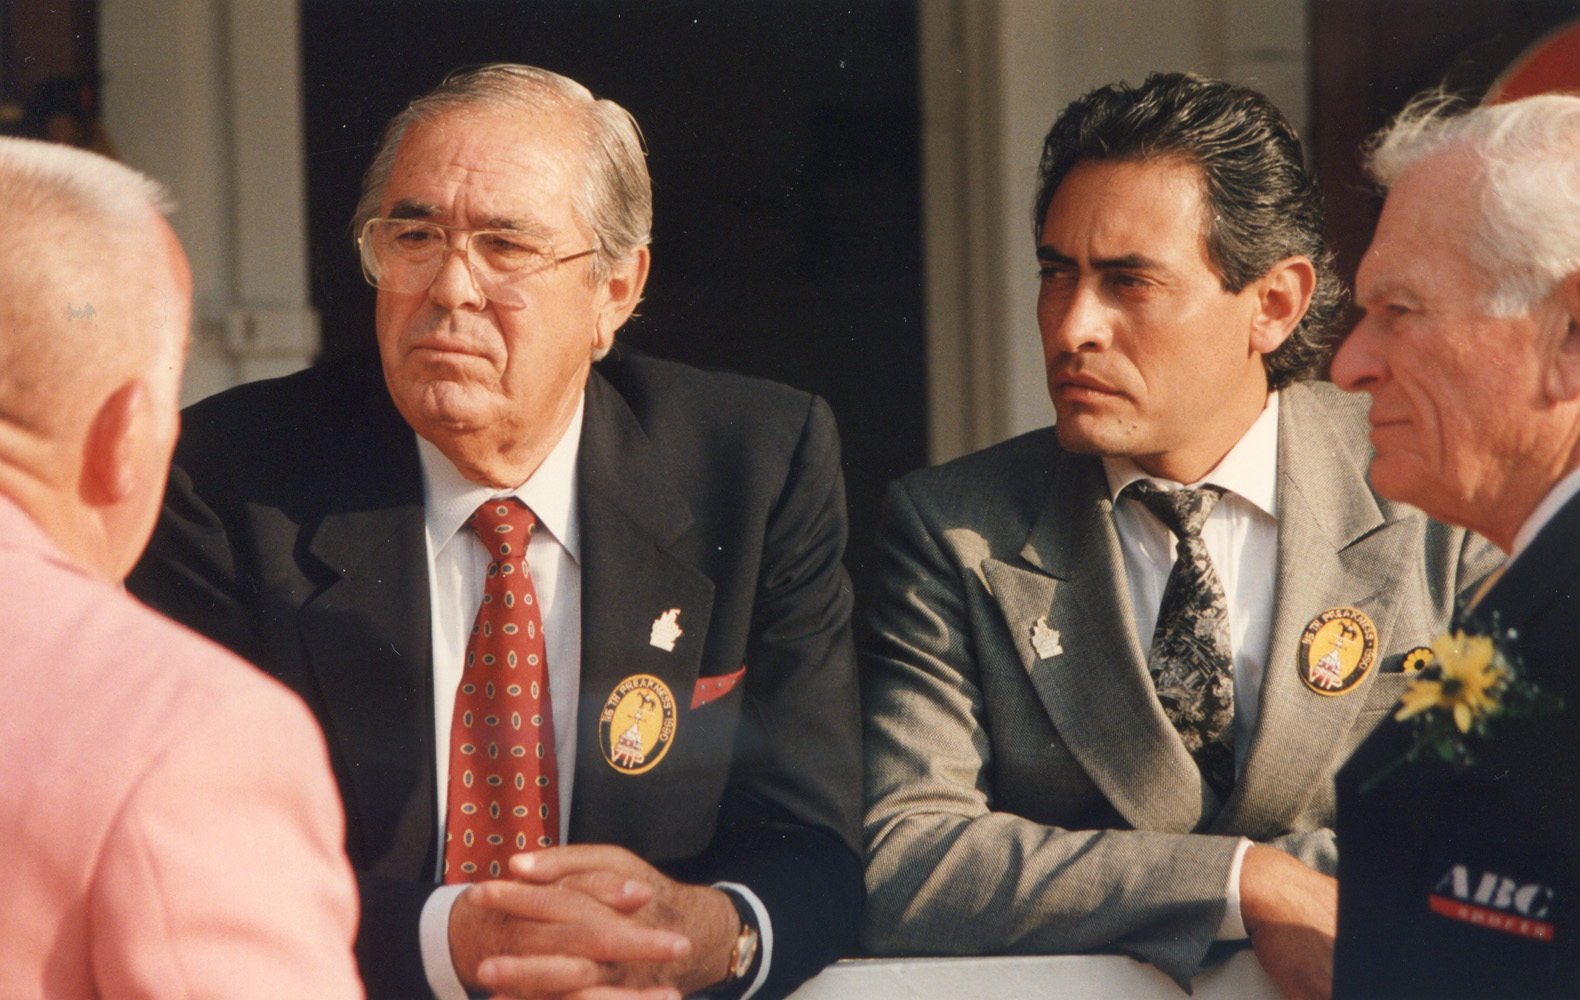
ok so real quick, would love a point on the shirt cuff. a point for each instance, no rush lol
(433, 935)
(1232, 927)
(765, 934)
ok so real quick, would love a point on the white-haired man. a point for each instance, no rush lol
(1461, 877)
(169, 822)
(665, 682)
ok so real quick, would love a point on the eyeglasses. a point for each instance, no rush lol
(405, 255)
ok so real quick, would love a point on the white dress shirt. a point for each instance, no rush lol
(457, 567)
(1241, 536)
(1551, 504)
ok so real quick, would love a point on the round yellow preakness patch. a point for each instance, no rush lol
(637, 724)
(1337, 650)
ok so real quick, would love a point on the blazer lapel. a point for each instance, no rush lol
(367, 640)
(1097, 691)
(632, 518)
(1533, 581)
(1335, 549)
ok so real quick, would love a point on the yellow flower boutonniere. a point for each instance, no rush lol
(1470, 671)
(1471, 682)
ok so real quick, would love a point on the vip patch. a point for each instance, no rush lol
(1497, 902)
(1337, 651)
(637, 724)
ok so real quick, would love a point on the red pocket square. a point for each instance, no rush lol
(713, 688)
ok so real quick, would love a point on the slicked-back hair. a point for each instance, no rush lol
(1261, 205)
(1527, 186)
(615, 196)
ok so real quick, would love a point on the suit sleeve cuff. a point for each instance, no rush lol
(433, 933)
(765, 934)
(1232, 927)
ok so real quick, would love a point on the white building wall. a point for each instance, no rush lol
(205, 96)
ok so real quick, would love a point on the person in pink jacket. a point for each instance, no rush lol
(168, 824)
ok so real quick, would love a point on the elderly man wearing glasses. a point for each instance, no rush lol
(573, 619)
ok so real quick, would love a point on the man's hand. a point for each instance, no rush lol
(704, 916)
(1291, 912)
(528, 941)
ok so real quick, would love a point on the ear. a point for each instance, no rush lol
(1282, 296)
(109, 469)
(622, 290)
(1562, 377)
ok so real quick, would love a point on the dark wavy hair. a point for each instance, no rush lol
(1262, 204)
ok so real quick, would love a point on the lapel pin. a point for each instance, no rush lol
(1337, 651)
(1045, 639)
(666, 629)
(1416, 659)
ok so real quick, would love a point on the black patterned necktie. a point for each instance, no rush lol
(1191, 662)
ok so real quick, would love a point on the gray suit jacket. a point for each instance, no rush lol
(1017, 803)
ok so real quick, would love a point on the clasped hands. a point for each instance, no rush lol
(590, 922)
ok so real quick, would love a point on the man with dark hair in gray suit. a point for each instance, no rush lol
(1115, 663)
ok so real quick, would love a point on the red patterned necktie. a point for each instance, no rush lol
(503, 795)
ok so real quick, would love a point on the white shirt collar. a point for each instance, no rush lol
(1249, 470)
(449, 498)
(1556, 497)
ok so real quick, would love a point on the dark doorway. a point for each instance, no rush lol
(784, 150)
(49, 79)
(1372, 56)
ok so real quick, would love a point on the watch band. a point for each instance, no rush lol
(745, 954)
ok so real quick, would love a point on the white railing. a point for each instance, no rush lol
(1042, 977)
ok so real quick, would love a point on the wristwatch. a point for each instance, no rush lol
(743, 956)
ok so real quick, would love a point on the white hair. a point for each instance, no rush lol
(46, 176)
(1527, 154)
(79, 223)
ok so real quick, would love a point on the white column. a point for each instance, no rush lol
(961, 238)
(205, 96)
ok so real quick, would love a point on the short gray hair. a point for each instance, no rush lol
(615, 199)
(1527, 154)
(83, 222)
